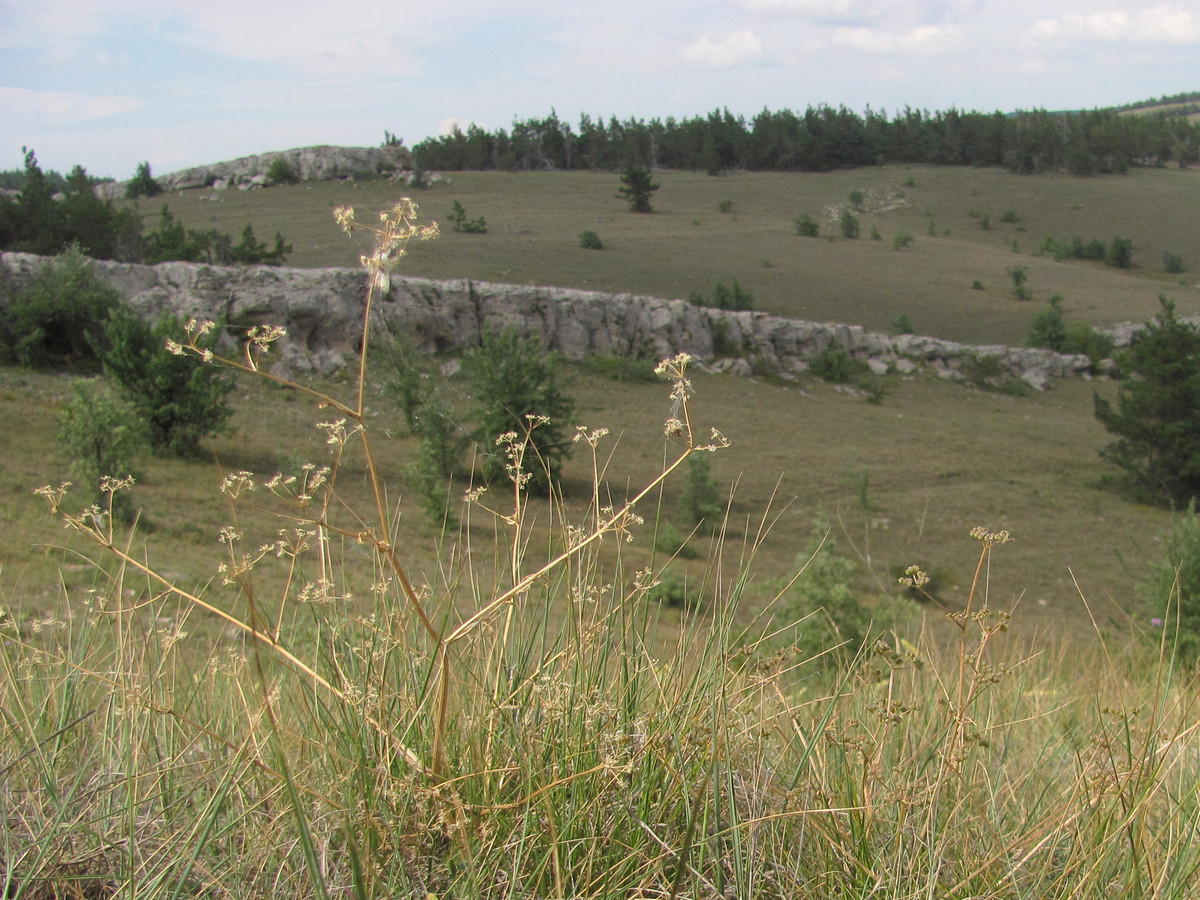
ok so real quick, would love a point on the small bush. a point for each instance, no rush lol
(672, 591)
(511, 379)
(700, 501)
(728, 297)
(458, 215)
(671, 541)
(902, 238)
(1019, 274)
(621, 368)
(831, 623)
(1120, 253)
(725, 206)
(1049, 329)
(875, 235)
(977, 285)
(1009, 216)
(1083, 338)
(589, 240)
(181, 399)
(985, 222)
(58, 319)
(142, 184)
(1172, 263)
(856, 198)
(1173, 585)
(834, 365)
(849, 224)
(902, 325)
(101, 435)
(281, 172)
(806, 226)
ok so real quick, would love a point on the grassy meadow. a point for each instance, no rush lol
(381, 709)
(687, 244)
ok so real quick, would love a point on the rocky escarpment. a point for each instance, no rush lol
(322, 311)
(306, 163)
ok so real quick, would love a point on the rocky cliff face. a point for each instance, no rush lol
(322, 311)
(308, 163)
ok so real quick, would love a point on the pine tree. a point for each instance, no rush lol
(636, 187)
(1157, 415)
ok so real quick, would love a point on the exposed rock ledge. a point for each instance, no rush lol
(307, 163)
(322, 312)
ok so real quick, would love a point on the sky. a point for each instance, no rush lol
(108, 84)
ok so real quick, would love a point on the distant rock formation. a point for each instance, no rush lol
(308, 163)
(322, 311)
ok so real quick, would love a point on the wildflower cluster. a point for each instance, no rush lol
(397, 227)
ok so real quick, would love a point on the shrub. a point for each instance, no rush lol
(180, 399)
(1083, 338)
(1120, 253)
(589, 240)
(1173, 585)
(831, 623)
(725, 206)
(671, 541)
(672, 591)
(172, 242)
(1172, 263)
(143, 184)
(902, 325)
(734, 297)
(985, 371)
(1019, 275)
(902, 238)
(458, 215)
(636, 188)
(1049, 329)
(849, 224)
(281, 172)
(728, 297)
(620, 368)
(512, 379)
(700, 501)
(806, 226)
(406, 383)
(1009, 216)
(58, 319)
(856, 198)
(100, 434)
(833, 364)
(443, 444)
(1155, 417)
(985, 222)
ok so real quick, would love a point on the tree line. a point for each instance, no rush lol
(823, 138)
(49, 213)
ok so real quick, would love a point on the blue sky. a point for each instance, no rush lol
(110, 83)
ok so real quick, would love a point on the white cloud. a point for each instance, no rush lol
(820, 10)
(926, 40)
(735, 49)
(1166, 24)
(20, 105)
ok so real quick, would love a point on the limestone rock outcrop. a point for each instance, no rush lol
(308, 163)
(322, 310)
